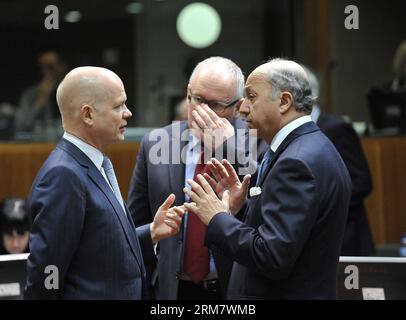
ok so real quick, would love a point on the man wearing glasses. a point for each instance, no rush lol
(186, 269)
(216, 106)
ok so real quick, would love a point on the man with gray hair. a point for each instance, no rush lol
(288, 245)
(186, 269)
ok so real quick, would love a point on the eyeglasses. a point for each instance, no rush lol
(216, 106)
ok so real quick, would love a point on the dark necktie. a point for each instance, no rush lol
(108, 169)
(196, 253)
(264, 165)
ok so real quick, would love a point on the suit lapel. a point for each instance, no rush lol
(134, 232)
(305, 128)
(99, 180)
(101, 183)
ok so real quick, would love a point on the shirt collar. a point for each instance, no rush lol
(95, 155)
(315, 113)
(286, 130)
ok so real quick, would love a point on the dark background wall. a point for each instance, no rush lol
(104, 27)
(164, 62)
(155, 64)
(81, 44)
(364, 57)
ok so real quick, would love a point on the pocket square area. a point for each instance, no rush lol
(255, 191)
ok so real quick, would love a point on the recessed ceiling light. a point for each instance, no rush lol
(198, 25)
(73, 16)
(134, 7)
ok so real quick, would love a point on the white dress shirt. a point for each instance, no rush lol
(95, 155)
(286, 130)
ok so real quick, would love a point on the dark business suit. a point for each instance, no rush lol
(358, 240)
(81, 228)
(150, 185)
(289, 243)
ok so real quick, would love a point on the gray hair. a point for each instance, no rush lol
(228, 65)
(313, 82)
(286, 75)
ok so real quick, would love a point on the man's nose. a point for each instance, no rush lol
(127, 113)
(244, 108)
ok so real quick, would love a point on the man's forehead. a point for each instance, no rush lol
(257, 77)
(122, 97)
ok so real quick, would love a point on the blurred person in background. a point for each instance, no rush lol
(358, 240)
(399, 69)
(15, 223)
(38, 105)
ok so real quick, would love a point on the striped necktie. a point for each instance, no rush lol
(108, 169)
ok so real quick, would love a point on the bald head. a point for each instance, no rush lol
(84, 86)
(219, 69)
(92, 102)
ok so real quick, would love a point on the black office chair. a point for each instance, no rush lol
(387, 109)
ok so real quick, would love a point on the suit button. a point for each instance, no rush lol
(177, 276)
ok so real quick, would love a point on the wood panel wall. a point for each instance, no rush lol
(386, 206)
(317, 37)
(19, 164)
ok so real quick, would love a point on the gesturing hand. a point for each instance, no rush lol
(167, 220)
(205, 202)
(225, 178)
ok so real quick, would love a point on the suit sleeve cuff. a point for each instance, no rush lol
(147, 246)
(240, 214)
(215, 232)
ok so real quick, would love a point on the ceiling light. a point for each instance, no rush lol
(73, 16)
(134, 7)
(198, 25)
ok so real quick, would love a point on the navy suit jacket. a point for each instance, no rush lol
(289, 243)
(151, 184)
(80, 227)
(358, 240)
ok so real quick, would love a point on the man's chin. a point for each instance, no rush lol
(251, 125)
(120, 137)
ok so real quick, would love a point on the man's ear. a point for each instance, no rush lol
(87, 114)
(286, 102)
